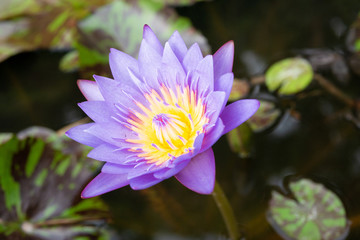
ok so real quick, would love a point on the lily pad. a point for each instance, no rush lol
(316, 213)
(240, 89)
(41, 176)
(289, 76)
(240, 140)
(265, 117)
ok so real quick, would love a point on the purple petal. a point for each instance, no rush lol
(96, 110)
(170, 59)
(169, 75)
(151, 38)
(119, 63)
(192, 57)
(80, 135)
(104, 183)
(117, 93)
(214, 103)
(143, 182)
(149, 63)
(223, 60)
(204, 72)
(113, 168)
(238, 112)
(224, 84)
(109, 153)
(177, 45)
(169, 172)
(213, 135)
(143, 168)
(90, 90)
(199, 174)
(111, 131)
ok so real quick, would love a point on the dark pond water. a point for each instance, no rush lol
(318, 142)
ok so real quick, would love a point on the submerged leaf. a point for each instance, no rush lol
(41, 176)
(265, 117)
(240, 89)
(240, 140)
(316, 213)
(290, 76)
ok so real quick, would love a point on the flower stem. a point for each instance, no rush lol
(226, 211)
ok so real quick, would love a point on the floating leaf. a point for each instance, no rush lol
(41, 176)
(120, 25)
(239, 90)
(290, 76)
(240, 140)
(265, 117)
(316, 213)
(70, 61)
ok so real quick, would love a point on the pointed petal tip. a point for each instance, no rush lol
(146, 27)
(104, 183)
(238, 112)
(96, 77)
(89, 89)
(228, 47)
(223, 59)
(113, 51)
(258, 103)
(199, 174)
(229, 44)
(85, 196)
(67, 133)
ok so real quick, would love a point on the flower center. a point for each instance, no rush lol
(168, 127)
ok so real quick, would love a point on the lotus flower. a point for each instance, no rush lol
(160, 115)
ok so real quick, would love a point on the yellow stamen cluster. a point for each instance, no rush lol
(168, 127)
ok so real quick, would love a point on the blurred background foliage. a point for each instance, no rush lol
(300, 153)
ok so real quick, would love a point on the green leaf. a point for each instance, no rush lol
(265, 117)
(40, 191)
(357, 45)
(70, 61)
(120, 25)
(316, 213)
(177, 2)
(10, 187)
(11, 8)
(12, 37)
(240, 140)
(34, 24)
(289, 76)
(240, 89)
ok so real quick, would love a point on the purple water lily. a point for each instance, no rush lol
(160, 115)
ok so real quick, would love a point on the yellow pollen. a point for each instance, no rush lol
(168, 127)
